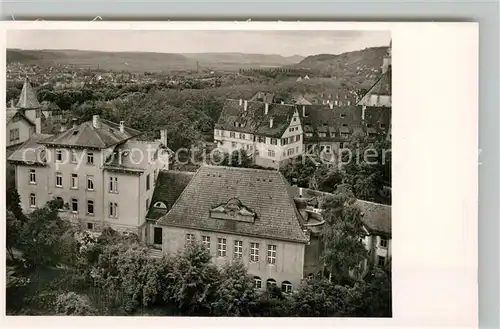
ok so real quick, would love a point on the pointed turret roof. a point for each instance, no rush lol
(27, 99)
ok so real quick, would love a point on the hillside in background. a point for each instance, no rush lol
(356, 65)
(147, 61)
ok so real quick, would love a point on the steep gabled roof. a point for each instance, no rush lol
(27, 99)
(254, 120)
(86, 135)
(168, 188)
(262, 192)
(11, 114)
(382, 87)
(136, 161)
(323, 119)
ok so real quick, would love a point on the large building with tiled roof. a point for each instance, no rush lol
(103, 174)
(271, 133)
(239, 213)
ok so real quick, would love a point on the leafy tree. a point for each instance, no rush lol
(194, 281)
(300, 171)
(322, 298)
(41, 235)
(72, 303)
(342, 232)
(14, 226)
(376, 295)
(235, 293)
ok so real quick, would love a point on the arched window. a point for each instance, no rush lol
(310, 276)
(160, 204)
(286, 287)
(257, 282)
(270, 283)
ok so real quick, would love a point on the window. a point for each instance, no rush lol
(381, 261)
(284, 141)
(90, 183)
(290, 129)
(33, 200)
(90, 207)
(297, 138)
(206, 241)
(271, 153)
(74, 157)
(274, 141)
(261, 139)
(158, 235)
(232, 134)
(242, 136)
(74, 205)
(342, 115)
(147, 182)
(294, 119)
(286, 287)
(58, 155)
(189, 238)
(113, 210)
(238, 249)
(90, 158)
(74, 181)
(14, 134)
(270, 283)
(322, 134)
(271, 254)
(254, 252)
(233, 144)
(221, 247)
(383, 243)
(309, 134)
(90, 226)
(297, 149)
(32, 176)
(257, 282)
(113, 184)
(289, 152)
(147, 204)
(59, 180)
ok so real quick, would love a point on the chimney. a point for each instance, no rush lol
(74, 122)
(282, 102)
(331, 105)
(63, 128)
(241, 101)
(96, 122)
(163, 137)
(38, 126)
(245, 105)
(363, 109)
(271, 123)
(300, 192)
(266, 109)
(303, 110)
(12, 104)
(122, 127)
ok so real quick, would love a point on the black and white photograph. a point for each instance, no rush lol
(199, 173)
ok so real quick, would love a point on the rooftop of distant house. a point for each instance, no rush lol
(250, 117)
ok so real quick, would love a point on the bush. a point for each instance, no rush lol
(73, 304)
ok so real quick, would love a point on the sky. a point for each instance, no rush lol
(284, 43)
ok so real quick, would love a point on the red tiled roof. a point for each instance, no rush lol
(86, 135)
(253, 121)
(27, 99)
(263, 192)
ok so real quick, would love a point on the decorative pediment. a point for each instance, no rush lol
(233, 210)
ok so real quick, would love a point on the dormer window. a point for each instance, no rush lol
(368, 125)
(342, 115)
(382, 126)
(233, 210)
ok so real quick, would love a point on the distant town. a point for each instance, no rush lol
(208, 189)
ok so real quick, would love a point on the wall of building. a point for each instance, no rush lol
(289, 261)
(25, 188)
(25, 131)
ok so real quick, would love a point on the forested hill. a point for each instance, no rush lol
(355, 64)
(148, 61)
